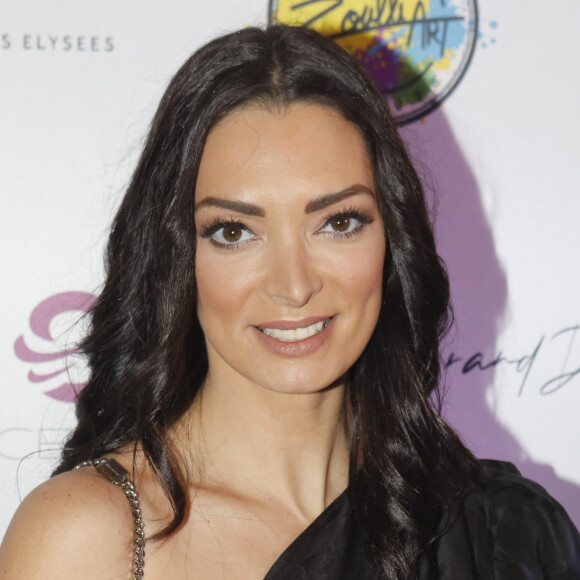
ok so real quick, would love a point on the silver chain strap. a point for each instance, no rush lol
(118, 475)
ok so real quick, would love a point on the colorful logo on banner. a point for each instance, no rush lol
(54, 360)
(416, 51)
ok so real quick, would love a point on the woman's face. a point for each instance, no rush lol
(290, 248)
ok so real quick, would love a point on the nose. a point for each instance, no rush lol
(293, 277)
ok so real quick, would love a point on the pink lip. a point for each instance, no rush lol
(300, 347)
(292, 324)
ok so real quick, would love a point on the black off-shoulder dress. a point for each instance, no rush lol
(507, 528)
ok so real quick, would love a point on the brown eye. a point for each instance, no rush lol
(228, 234)
(340, 224)
(232, 233)
(345, 224)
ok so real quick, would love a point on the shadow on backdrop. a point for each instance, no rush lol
(479, 296)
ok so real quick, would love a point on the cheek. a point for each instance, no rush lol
(365, 275)
(222, 287)
(211, 295)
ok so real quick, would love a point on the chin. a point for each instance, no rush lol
(301, 383)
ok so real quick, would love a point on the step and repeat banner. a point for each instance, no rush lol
(486, 95)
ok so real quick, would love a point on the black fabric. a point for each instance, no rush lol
(333, 547)
(507, 528)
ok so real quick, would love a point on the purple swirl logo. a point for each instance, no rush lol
(52, 362)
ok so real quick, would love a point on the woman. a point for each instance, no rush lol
(267, 337)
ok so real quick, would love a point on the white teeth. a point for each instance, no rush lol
(296, 333)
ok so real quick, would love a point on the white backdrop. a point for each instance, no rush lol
(80, 81)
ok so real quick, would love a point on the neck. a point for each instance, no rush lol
(290, 448)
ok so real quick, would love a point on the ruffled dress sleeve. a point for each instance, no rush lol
(508, 528)
(505, 528)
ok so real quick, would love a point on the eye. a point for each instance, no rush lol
(344, 224)
(227, 234)
(231, 234)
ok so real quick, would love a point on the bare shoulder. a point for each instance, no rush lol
(77, 523)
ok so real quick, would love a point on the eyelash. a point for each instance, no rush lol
(351, 213)
(209, 231)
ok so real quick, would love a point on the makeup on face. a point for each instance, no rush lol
(290, 247)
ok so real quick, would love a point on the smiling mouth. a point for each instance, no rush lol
(295, 334)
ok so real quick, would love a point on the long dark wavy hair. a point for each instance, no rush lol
(146, 350)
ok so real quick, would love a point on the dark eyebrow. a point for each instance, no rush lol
(252, 209)
(332, 198)
(237, 206)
